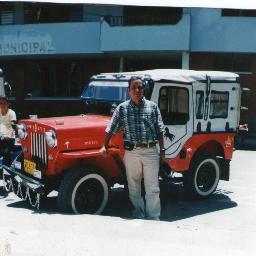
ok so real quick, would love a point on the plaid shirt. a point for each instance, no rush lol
(140, 124)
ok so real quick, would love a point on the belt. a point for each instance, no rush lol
(145, 145)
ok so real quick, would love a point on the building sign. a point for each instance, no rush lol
(26, 46)
(16, 48)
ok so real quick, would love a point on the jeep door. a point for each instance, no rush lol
(175, 103)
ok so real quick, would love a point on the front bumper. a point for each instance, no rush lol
(14, 175)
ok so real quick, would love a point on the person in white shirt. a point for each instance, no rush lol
(7, 132)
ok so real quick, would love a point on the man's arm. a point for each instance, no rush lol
(111, 130)
(104, 149)
(161, 145)
(160, 130)
(161, 140)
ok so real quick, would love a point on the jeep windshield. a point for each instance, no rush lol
(106, 91)
(101, 97)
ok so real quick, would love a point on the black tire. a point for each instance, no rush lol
(83, 191)
(203, 176)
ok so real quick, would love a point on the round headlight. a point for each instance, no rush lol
(51, 138)
(22, 131)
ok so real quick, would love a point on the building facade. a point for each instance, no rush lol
(49, 51)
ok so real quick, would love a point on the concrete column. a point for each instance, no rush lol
(121, 64)
(185, 60)
(20, 88)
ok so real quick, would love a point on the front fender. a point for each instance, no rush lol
(92, 157)
(81, 154)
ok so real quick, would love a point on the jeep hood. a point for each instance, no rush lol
(70, 122)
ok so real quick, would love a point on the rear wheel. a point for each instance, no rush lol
(202, 178)
(83, 191)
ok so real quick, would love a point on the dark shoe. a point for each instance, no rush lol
(3, 192)
(138, 214)
(153, 218)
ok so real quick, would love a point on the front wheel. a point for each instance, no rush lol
(83, 191)
(203, 176)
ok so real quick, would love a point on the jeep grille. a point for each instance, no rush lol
(39, 149)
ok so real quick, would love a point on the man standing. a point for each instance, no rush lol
(142, 127)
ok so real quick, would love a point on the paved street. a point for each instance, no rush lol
(221, 225)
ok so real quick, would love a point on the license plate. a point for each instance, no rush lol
(29, 166)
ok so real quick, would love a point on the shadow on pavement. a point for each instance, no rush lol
(48, 205)
(174, 204)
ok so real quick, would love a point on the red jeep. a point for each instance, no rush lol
(200, 110)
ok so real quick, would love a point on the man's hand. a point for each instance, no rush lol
(104, 151)
(162, 156)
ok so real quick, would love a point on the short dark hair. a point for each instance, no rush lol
(134, 78)
(5, 99)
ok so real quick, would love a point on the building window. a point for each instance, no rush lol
(6, 13)
(152, 61)
(219, 104)
(54, 78)
(52, 13)
(151, 15)
(238, 13)
(238, 63)
(62, 77)
(174, 105)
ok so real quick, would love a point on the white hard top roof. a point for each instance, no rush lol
(177, 75)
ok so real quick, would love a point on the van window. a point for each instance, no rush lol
(219, 104)
(199, 104)
(174, 105)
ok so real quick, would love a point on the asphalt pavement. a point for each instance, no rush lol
(223, 224)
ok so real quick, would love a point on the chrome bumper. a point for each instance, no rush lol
(12, 173)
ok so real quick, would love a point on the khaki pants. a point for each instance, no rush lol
(143, 163)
